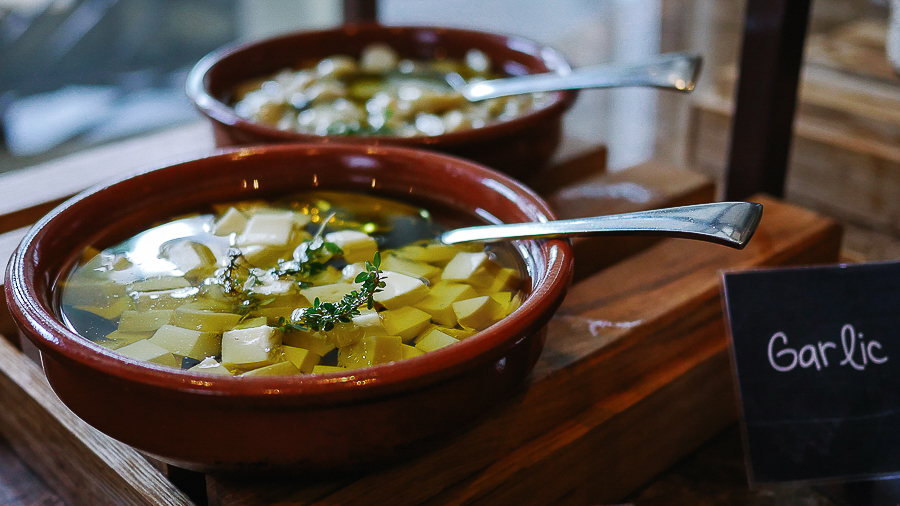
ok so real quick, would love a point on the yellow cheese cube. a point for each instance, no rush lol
(371, 350)
(187, 343)
(400, 290)
(146, 351)
(357, 246)
(284, 368)
(325, 369)
(204, 321)
(232, 222)
(438, 302)
(304, 359)
(409, 267)
(407, 351)
(250, 348)
(210, 365)
(433, 253)
(433, 340)
(111, 310)
(477, 313)
(504, 279)
(314, 342)
(117, 339)
(144, 321)
(406, 322)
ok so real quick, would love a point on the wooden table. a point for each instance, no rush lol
(635, 373)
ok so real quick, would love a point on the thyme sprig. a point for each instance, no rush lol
(325, 315)
(310, 258)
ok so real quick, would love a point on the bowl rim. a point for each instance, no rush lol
(220, 112)
(40, 324)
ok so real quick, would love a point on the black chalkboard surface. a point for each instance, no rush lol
(817, 356)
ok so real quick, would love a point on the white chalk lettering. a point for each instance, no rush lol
(858, 352)
(786, 351)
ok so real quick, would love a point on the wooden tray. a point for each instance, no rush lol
(634, 375)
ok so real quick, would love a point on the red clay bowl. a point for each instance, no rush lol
(315, 422)
(518, 147)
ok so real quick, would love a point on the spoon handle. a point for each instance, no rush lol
(728, 223)
(671, 70)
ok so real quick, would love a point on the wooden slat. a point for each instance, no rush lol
(626, 342)
(82, 465)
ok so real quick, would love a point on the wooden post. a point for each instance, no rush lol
(766, 96)
(360, 11)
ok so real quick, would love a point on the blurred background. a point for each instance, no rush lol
(79, 73)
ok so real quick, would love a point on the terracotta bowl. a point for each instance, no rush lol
(517, 147)
(315, 422)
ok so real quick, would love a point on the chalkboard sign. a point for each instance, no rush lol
(817, 356)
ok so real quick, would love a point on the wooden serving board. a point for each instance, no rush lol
(634, 374)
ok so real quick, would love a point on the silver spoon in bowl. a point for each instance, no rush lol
(676, 71)
(727, 223)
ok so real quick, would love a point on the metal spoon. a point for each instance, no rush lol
(727, 223)
(677, 71)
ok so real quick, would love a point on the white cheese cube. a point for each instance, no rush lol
(188, 343)
(190, 257)
(232, 222)
(269, 229)
(357, 246)
(400, 290)
(472, 268)
(328, 293)
(250, 348)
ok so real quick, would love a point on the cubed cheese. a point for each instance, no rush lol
(434, 340)
(477, 313)
(328, 293)
(144, 321)
(406, 322)
(304, 359)
(204, 321)
(210, 365)
(476, 269)
(250, 348)
(400, 290)
(268, 229)
(371, 350)
(117, 339)
(285, 368)
(314, 342)
(441, 296)
(409, 267)
(187, 343)
(232, 222)
(325, 369)
(407, 351)
(195, 260)
(146, 351)
(357, 246)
